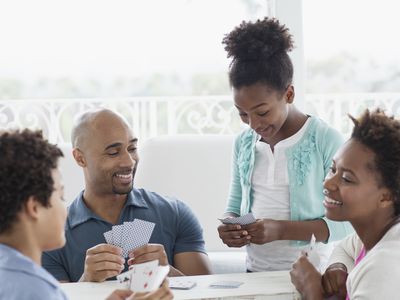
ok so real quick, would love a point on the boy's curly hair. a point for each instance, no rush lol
(381, 134)
(26, 162)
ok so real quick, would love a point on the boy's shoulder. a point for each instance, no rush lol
(34, 287)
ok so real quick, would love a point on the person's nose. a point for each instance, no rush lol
(254, 123)
(329, 184)
(129, 160)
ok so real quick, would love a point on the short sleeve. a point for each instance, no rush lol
(52, 262)
(190, 233)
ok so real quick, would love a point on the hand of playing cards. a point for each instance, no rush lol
(130, 235)
(312, 253)
(242, 220)
(145, 277)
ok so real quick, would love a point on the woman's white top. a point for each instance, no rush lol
(377, 275)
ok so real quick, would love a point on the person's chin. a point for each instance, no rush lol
(57, 243)
(122, 190)
(268, 133)
(334, 217)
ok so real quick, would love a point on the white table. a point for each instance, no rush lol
(261, 285)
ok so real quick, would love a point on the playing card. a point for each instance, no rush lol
(130, 235)
(226, 284)
(143, 276)
(136, 234)
(108, 235)
(242, 220)
(312, 243)
(181, 284)
(117, 235)
(312, 253)
(125, 278)
(162, 272)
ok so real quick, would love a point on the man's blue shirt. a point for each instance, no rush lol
(24, 279)
(176, 228)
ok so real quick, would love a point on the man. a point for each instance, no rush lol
(106, 149)
(32, 219)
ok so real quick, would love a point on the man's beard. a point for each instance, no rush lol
(120, 191)
(126, 190)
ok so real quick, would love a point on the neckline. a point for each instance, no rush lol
(289, 141)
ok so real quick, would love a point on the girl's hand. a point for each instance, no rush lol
(334, 280)
(233, 235)
(264, 231)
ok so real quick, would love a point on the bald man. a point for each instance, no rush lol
(106, 149)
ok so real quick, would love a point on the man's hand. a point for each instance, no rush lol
(147, 253)
(233, 235)
(264, 231)
(151, 252)
(306, 279)
(334, 280)
(102, 261)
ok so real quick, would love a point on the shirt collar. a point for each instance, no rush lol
(79, 213)
(11, 259)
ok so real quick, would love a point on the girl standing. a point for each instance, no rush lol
(281, 160)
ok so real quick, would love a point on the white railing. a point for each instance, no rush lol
(178, 115)
(334, 108)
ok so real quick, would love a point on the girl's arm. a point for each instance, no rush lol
(235, 191)
(303, 230)
(267, 230)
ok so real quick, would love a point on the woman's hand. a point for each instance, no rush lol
(306, 279)
(334, 280)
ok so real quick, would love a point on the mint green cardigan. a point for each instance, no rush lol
(309, 161)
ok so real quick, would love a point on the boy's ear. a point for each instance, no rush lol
(290, 94)
(32, 207)
(79, 157)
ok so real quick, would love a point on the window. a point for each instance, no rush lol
(121, 48)
(351, 55)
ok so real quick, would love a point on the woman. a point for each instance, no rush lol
(363, 187)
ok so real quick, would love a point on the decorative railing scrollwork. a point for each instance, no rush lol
(152, 116)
